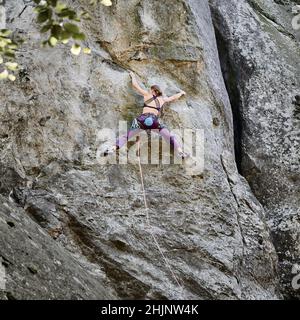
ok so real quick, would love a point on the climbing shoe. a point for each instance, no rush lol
(183, 155)
(109, 151)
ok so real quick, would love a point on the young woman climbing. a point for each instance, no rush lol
(149, 119)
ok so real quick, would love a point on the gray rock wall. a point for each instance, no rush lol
(210, 226)
(36, 267)
(261, 52)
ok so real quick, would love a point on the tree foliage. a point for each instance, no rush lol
(8, 49)
(58, 22)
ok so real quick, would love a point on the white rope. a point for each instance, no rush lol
(148, 219)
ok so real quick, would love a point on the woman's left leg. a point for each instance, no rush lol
(166, 134)
(170, 138)
(124, 138)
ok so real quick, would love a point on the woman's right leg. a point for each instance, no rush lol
(170, 138)
(166, 134)
(125, 137)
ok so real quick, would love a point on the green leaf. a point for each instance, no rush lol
(56, 31)
(43, 16)
(37, 1)
(65, 35)
(46, 28)
(11, 65)
(67, 12)
(5, 32)
(79, 36)
(53, 2)
(63, 14)
(106, 3)
(85, 15)
(41, 8)
(3, 43)
(11, 77)
(53, 41)
(1, 59)
(71, 27)
(60, 6)
(73, 15)
(86, 50)
(9, 53)
(3, 74)
(13, 46)
(76, 49)
(44, 43)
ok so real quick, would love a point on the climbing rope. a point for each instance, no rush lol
(148, 218)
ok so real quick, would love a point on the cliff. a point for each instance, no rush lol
(74, 228)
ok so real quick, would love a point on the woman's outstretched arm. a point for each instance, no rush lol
(175, 96)
(136, 85)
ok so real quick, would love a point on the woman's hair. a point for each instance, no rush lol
(157, 90)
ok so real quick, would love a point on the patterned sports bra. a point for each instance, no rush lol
(158, 107)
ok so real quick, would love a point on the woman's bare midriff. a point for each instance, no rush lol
(150, 110)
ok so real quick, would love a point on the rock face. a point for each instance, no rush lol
(39, 268)
(259, 51)
(89, 216)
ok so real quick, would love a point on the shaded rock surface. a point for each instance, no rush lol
(210, 226)
(36, 267)
(260, 57)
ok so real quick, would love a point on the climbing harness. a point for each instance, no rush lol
(148, 218)
(147, 121)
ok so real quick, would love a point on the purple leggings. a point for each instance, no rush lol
(164, 132)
